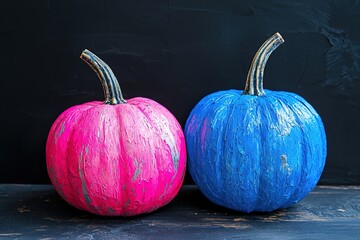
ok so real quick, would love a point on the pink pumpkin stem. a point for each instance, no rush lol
(110, 84)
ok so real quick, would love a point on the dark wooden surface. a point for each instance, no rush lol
(37, 212)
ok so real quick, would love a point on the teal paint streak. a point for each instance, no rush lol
(61, 131)
(168, 137)
(82, 179)
(86, 150)
(137, 171)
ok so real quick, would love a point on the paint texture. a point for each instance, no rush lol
(255, 150)
(255, 153)
(123, 159)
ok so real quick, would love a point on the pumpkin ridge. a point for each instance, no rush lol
(259, 197)
(191, 139)
(236, 155)
(160, 186)
(174, 151)
(316, 117)
(257, 161)
(254, 166)
(80, 172)
(243, 164)
(126, 184)
(220, 102)
(155, 107)
(293, 198)
(285, 103)
(119, 199)
(90, 191)
(51, 141)
(136, 106)
(314, 113)
(318, 120)
(221, 139)
(77, 113)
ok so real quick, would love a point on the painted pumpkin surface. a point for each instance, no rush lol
(255, 149)
(118, 157)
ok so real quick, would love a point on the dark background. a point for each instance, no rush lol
(175, 52)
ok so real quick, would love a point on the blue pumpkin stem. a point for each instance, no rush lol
(255, 77)
(110, 84)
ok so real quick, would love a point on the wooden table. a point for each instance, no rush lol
(37, 212)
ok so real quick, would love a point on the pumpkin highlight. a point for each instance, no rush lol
(256, 149)
(118, 157)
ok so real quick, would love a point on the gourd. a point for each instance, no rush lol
(118, 157)
(255, 149)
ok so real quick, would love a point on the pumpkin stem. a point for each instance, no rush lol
(110, 84)
(254, 80)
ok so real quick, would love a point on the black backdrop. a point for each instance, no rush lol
(175, 52)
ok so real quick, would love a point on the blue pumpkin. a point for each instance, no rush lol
(256, 149)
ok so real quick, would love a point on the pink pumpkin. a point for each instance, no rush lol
(116, 158)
